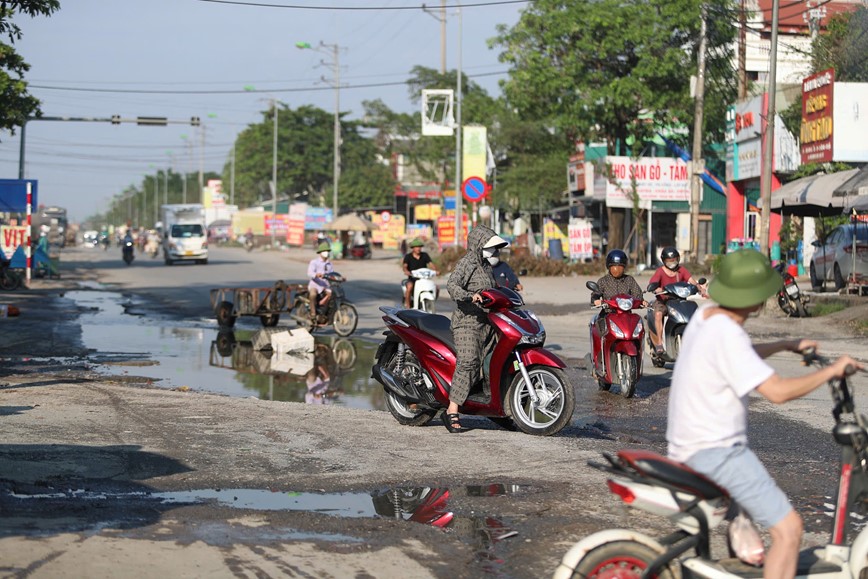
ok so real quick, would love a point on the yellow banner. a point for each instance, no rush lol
(475, 145)
(427, 212)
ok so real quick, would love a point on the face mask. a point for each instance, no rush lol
(671, 265)
(493, 260)
(490, 254)
(324, 254)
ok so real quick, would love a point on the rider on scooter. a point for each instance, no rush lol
(616, 282)
(717, 370)
(318, 285)
(416, 259)
(671, 272)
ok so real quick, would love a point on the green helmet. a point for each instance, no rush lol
(746, 278)
(324, 246)
(417, 243)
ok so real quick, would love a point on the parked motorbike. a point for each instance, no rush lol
(152, 246)
(616, 342)
(679, 310)
(338, 312)
(425, 291)
(523, 385)
(790, 298)
(128, 251)
(9, 279)
(653, 483)
(361, 251)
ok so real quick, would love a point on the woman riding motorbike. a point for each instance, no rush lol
(470, 329)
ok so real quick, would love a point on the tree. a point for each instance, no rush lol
(590, 68)
(16, 104)
(843, 46)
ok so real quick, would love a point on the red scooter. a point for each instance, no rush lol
(523, 385)
(616, 342)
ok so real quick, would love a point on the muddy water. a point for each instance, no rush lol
(198, 356)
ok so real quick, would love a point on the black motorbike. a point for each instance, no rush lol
(338, 312)
(790, 298)
(128, 251)
(679, 310)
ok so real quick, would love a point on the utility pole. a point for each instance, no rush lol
(769, 144)
(336, 171)
(274, 176)
(698, 163)
(440, 16)
(201, 162)
(742, 50)
(232, 177)
(459, 224)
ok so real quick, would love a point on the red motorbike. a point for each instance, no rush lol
(523, 385)
(616, 342)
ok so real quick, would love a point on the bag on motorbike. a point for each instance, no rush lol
(744, 540)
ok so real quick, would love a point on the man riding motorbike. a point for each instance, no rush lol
(671, 272)
(416, 259)
(470, 329)
(318, 285)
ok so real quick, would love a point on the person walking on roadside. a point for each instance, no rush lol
(470, 328)
(318, 287)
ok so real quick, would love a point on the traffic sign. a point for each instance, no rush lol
(385, 216)
(475, 189)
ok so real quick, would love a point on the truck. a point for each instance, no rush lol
(184, 237)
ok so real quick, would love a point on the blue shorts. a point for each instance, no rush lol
(739, 471)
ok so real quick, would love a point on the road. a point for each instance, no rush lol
(99, 478)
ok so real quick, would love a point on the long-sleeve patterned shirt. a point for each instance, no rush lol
(318, 265)
(611, 287)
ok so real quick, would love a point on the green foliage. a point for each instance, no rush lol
(843, 46)
(589, 68)
(16, 104)
(826, 307)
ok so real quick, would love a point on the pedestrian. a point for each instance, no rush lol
(717, 370)
(470, 328)
(318, 288)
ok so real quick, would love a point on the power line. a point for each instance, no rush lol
(362, 8)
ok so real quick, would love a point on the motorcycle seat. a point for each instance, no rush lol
(671, 472)
(434, 324)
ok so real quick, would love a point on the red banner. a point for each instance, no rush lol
(816, 129)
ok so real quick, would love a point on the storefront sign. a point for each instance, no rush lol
(656, 179)
(581, 245)
(817, 113)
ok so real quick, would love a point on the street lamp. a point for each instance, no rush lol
(336, 83)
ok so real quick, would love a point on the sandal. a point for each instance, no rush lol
(452, 424)
(659, 349)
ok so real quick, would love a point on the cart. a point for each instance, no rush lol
(267, 303)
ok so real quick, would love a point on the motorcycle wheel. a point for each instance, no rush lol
(786, 304)
(301, 312)
(676, 343)
(223, 312)
(344, 352)
(816, 284)
(623, 559)
(346, 319)
(840, 282)
(803, 312)
(9, 280)
(557, 401)
(405, 413)
(427, 306)
(628, 373)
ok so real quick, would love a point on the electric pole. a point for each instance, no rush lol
(769, 143)
(698, 163)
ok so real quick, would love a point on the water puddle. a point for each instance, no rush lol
(424, 505)
(200, 357)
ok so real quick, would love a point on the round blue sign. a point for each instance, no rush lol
(474, 189)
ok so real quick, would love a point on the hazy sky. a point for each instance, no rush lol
(98, 58)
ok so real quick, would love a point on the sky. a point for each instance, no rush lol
(184, 58)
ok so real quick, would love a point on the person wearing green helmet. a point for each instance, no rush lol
(416, 259)
(318, 287)
(716, 371)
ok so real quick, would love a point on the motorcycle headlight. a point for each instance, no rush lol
(625, 304)
(638, 329)
(613, 327)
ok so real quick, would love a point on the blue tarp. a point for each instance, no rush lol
(13, 195)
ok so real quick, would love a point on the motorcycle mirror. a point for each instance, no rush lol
(702, 281)
(592, 285)
(652, 286)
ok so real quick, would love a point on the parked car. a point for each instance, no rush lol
(833, 259)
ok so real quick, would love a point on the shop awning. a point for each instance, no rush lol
(812, 195)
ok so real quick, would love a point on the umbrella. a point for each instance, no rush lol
(855, 191)
(811, 196)
(350, 222)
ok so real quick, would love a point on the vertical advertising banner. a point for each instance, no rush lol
(446, 230)
(475, 145)
(212, 195)
(11, 236)
(581, 246)
(295, 221)
(816, 128)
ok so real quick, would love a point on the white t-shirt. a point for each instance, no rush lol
(717, 368)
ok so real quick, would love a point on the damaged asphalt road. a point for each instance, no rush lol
(104, 476)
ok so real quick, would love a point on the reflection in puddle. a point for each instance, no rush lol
(200, 357)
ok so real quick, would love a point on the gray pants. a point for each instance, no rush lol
(470, 333)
